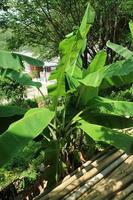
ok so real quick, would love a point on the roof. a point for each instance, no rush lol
(52, 63)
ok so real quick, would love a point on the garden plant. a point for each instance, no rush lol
(75, 110)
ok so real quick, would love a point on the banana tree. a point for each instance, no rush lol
(76, 106)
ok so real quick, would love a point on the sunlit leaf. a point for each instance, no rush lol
(109, 106)
(20, 77)
(21, 132)
(98, 62)
(30, 60)
(70, 50)
(120, 69)
(13, 60)
(107, 135)
(122, 51)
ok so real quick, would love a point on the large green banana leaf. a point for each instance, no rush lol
(107, 135)
(30, 60)
(20, 77)
(122, 51)
(98, 62)
(93, 79)
(87, 20)
(108, 120)
(117, 81)
(71, 49)
(79, 42)
(73, 80)
(9, 61)
(21, 132)
(108, 106)
(122, 75)
(120, 68)
(87, 92)
(8, 111)
(124, 79)
(12, 60)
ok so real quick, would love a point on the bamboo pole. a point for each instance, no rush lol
(61, 191)
(124, 193)
(130, 197)
(117, 186)
(81, 170)
(101, 155)
(118, 179)
(96, 179)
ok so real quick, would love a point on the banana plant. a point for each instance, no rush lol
(76, 107)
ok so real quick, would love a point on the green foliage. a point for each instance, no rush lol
(107, 76)
(14, 61)
(11, 68)
(121, 94)
(122, 51)
(112, 17)
(98, 62)
(108, 106)
(24, 167)
(104, 134)
(131, 27)
(63, 129)
(128, 55)
(19, 77)
(21, 132)
(4, 37)
(71, 50)
(11, 91)
(13, 79)
(7, 111)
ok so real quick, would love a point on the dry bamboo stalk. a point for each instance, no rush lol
(96, 179)
(59, 192)
(130, 197)
(124, 193)
(118, 178)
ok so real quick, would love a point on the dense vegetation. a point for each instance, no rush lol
(11, 91)
(31, 25)
(80, 112)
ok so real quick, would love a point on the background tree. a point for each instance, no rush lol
(111, 23)
(45, 23)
